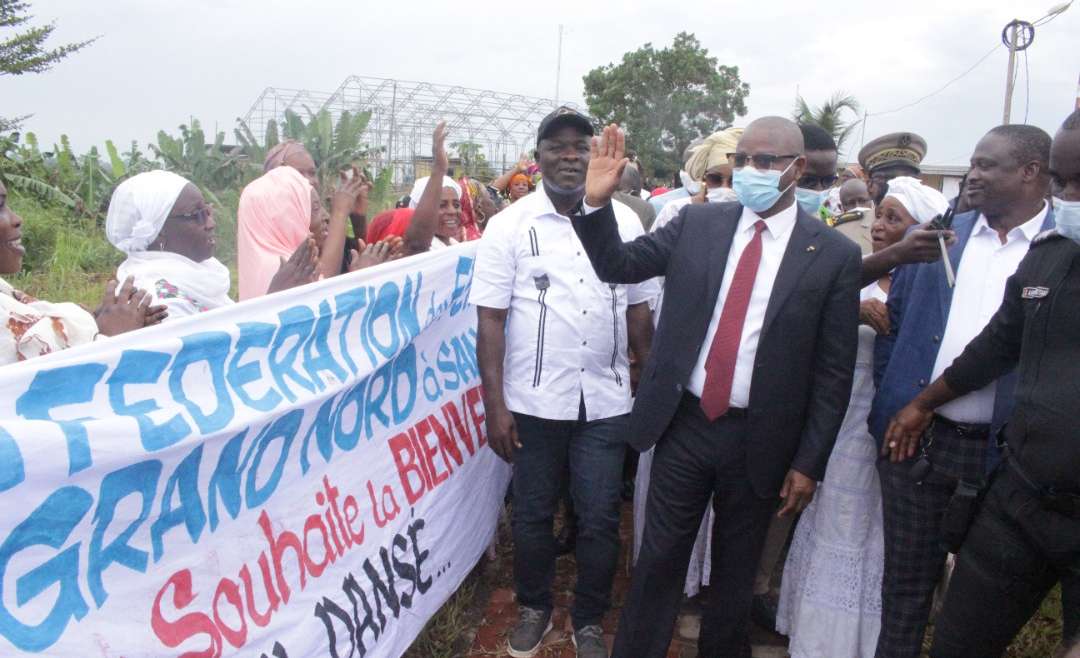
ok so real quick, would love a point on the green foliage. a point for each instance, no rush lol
(666, 98)
(474, 163)
(830, 115)
(64, 197)
(67, 256)
(25, 52)
(250, 145)
(333, 147)
(212, 167)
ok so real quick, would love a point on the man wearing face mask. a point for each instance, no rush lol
(748, 380)
(1026, 535)
(812, 188)
(552, 348)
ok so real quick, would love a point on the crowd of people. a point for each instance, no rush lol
(836, 360)
(826, 361)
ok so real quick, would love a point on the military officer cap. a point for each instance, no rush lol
(893, 149)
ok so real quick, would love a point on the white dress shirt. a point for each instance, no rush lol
(566, 337)
(774, 241)
(980, 286)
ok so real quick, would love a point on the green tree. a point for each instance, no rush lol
(474, 163)
(25, 51)
(837, 116)
(666, 98)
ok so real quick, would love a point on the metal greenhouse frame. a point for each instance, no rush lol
(404, 113)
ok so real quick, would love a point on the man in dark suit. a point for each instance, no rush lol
(748, 380)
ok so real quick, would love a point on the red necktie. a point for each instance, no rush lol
(720, 366)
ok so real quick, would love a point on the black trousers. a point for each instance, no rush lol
(1015, 552)
(696, 459)
(913, 513)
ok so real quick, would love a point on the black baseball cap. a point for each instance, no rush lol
(563, 116)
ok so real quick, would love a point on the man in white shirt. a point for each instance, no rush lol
(553, 351)
(931, 324)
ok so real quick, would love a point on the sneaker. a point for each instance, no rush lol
(529, 633)
(589, 642)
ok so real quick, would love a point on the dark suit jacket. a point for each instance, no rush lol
(919, 302)
(806, 353)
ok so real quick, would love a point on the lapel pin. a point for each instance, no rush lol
(811, 248)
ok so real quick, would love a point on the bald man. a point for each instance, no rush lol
(748, 378)
(854, 194)
(629, 193)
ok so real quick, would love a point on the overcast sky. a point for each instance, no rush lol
(160, 62)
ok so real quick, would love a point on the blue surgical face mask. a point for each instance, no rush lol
(1067, 218)
(811, 200)
(759, 190)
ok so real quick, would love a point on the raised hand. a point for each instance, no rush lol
(301, 268)
(441, 162)
(347, 192)
(360, 206)
(607, 159)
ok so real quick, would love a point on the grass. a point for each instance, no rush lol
(68, 258)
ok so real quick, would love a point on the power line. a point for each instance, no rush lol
(943, 87)
(1027, 86)
(1053, 13)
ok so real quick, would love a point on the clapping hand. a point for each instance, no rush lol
(124, 310)
(301, 268)
(367, 255)
(607, 159)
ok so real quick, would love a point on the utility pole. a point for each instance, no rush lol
(1009, 81)
(558, 66)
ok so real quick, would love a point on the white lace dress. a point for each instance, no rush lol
(830, 598)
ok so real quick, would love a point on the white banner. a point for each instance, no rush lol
(304, 474)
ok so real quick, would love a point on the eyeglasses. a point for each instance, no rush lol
(759, 160)
(199, 216)
(818, 182)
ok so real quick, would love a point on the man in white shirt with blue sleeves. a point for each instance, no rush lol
(553, 345)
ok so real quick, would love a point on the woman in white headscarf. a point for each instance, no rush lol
(830, 596)
(708, 164)
(448, 209)
(161, 221)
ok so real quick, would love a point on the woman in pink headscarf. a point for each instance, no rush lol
(281, 214)
(278, 212)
